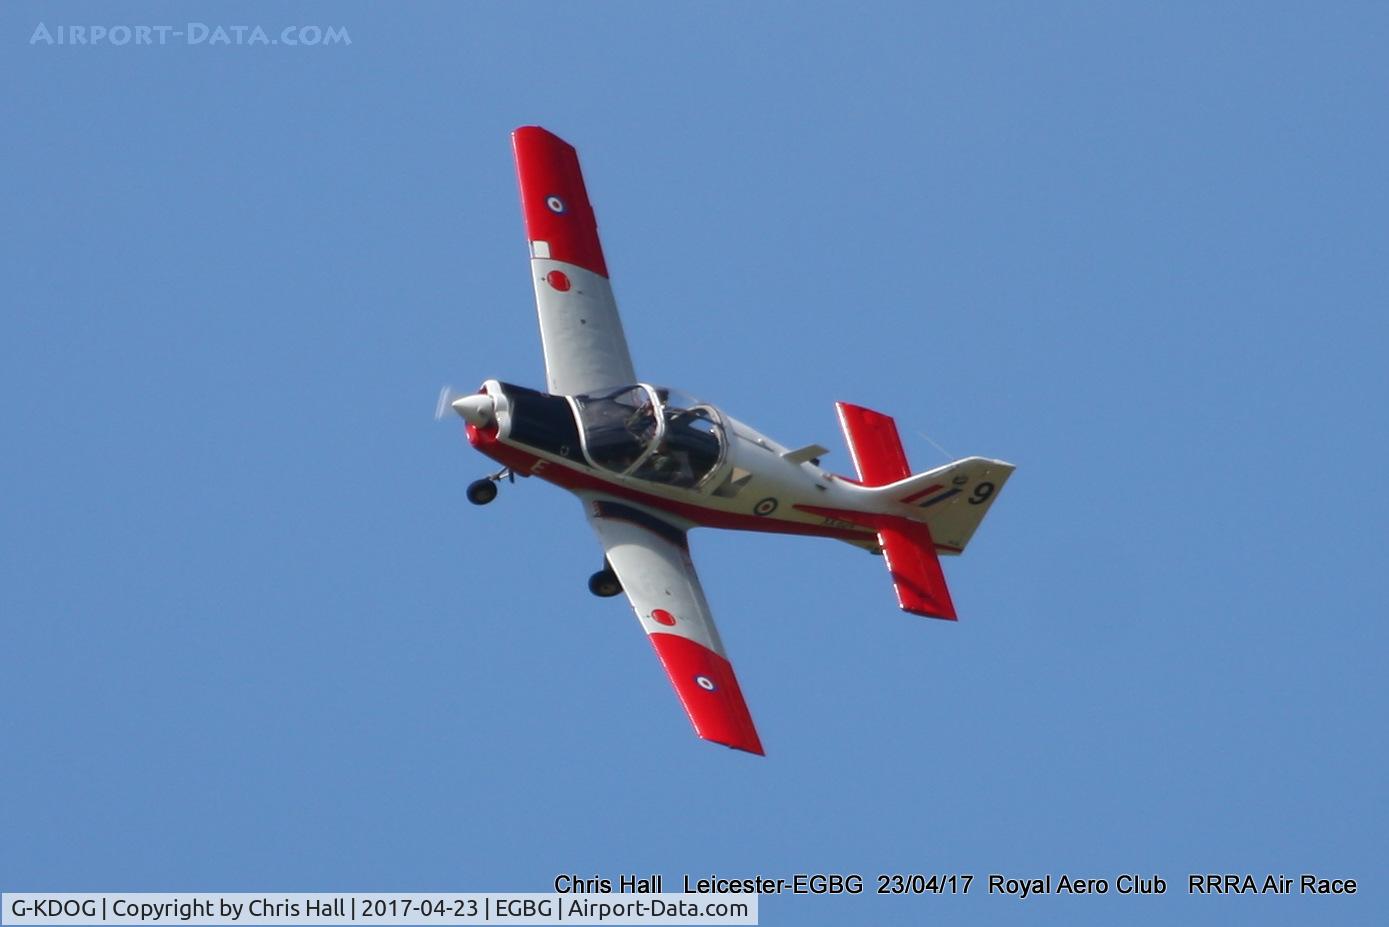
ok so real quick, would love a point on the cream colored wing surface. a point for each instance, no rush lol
(652, 560)
(585, 348)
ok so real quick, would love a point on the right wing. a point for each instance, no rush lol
(652, 559)
(585, 348)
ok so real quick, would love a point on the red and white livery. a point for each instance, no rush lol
(650, 463)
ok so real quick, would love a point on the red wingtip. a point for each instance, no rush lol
(554, 199)
(709, 691)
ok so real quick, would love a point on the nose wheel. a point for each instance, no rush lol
(483, 491)
(605, 583)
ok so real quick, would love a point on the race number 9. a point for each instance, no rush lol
(981, 493)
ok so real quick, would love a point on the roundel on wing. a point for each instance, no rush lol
(705, 683)
(765, 507)
(559, 280)
(661, 616)
(555, 203)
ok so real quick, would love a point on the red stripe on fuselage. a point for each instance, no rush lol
(569, 476)
(873, 519)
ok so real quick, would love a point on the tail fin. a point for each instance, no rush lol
(952, 499)
(919, 516)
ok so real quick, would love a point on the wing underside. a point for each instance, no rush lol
(652, 560)
(585, 347)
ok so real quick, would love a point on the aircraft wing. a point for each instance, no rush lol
(585, 348)
(652, 559)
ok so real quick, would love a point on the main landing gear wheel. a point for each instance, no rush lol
(604, 584)
(481, 492)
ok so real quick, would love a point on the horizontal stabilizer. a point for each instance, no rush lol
(874, 444)
(915, 568)
(917, 517)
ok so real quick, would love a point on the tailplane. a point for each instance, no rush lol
(922, 516)
(916, 574)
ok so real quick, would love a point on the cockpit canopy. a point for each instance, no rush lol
(652, 433)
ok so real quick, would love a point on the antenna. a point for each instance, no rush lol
(948, 455)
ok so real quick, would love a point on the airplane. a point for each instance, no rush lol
(650, 463)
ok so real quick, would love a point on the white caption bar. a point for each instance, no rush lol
(325, 909)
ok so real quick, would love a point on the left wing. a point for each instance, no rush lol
(652, 559)
(585, 348)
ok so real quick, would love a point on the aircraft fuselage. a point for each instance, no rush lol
(745, 481)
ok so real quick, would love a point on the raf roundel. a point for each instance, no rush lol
(705, 683)
(556, 204)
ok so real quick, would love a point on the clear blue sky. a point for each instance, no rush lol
(254, 638)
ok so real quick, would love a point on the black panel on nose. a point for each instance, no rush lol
(542, 421)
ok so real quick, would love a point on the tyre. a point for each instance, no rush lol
(482, 492)
(604, 584)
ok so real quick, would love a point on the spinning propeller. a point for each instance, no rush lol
(476, 408)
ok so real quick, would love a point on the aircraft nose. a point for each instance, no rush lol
(477, 409)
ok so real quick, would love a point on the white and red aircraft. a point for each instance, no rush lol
(650, 463)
